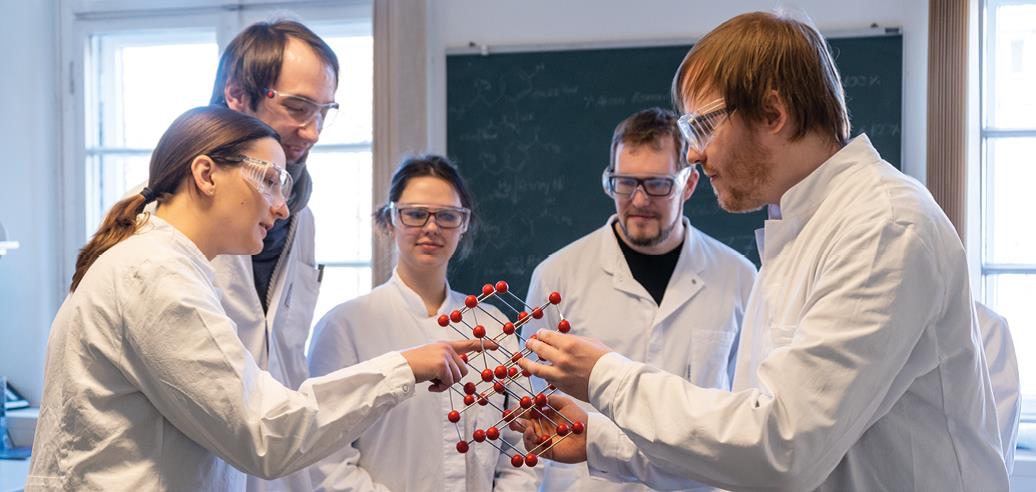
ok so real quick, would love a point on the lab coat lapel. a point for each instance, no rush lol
(686, 281)
(614, 263)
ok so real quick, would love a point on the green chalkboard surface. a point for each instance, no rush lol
(530, 131)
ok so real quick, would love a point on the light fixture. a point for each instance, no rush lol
(6, 245)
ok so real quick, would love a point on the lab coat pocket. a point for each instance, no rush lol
(710, 354)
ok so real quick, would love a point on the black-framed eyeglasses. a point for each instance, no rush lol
(699, 127)
(656, 186)
(302, 110)
(412, 215)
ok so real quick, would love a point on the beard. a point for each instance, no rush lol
(648, 241)
(744, 177)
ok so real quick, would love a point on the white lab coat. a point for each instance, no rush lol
(1003, 374)
(149, 388)
(693, 333)
(860, 366)
(413, 447)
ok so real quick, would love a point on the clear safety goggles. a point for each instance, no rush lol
(699, 127)
(414, 215)
(302, 110)
(271, 181)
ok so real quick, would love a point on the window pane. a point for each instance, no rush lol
(355, 88)
(109, 179)
(341, 204)
(152, 79)
(1010, 295)
(1010, 172)
(340, 284)
(1013, 64)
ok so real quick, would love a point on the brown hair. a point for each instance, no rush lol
(748, 56)
(649, 127)
(254, 57)
(210, 130)
(436, 166)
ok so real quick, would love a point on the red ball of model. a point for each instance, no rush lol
(483, 400)
(526, 373)
(453, 416)
(493, 433)
(516, 356)
(498, 387)
(537, 313)
(507, 414)
(455, 316)
(541, 400)
(512, 371)
(469, 388)
(501, 372)
(577, 428)
(444, 320)
(501, 287)
(562, 429)
(522, 316)
(479, 435)
(564, 326)
(525, 402)
(487, 289)
(530, 460)
(464, 357)
(487, 375)
(462, 447)
(479, 331)
(509, 328)
(469, 400)
(471, 301)
(517, 460)
(554, 298)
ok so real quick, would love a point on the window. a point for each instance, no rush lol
(141, 70)
(1008, 170)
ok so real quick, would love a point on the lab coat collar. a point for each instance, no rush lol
(802, 200)
(152, 223)
(685, 282)
(413, 302)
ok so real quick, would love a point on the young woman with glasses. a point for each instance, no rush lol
(147, 386)
(417, 446)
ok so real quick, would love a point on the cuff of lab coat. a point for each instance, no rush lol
(605, 378)
(398, 374)
(604, 441)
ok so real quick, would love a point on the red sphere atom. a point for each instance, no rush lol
(469, 400)
(483, 400)
(498, 387)
(522, 316)
(493, 433)
(464, 357)
(455, 316)
(562, 429)
(444, 320)
(517, 460)
(469, 388)
(530, 460)
(516, 356)
(537, 313)
(487, 375)
(541, 400)
(512, 371)
(526, 373)
(501, 372)
(479, 331)
(525, 402)
(508, 415)
(564, 326)
(453, 416)
(462, 447)
(487, 289)
(509, 328)
(554, 298)
(501, 286)
(577, 428)
(471, 301)
(479, 435)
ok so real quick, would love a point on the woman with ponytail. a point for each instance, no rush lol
(147, 386)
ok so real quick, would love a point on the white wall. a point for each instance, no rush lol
(29, 193)
(455, 23)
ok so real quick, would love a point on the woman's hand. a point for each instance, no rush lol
(440, 362)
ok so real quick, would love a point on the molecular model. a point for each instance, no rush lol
(506, 377)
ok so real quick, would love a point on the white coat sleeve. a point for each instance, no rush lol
(330, 350)
(871, 300)
(1003, 374)
(183, 352)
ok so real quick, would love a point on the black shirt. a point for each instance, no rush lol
(652, 271)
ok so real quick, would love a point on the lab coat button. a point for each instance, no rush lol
(406, 388)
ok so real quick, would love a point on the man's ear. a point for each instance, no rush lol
(237, 98)
(776, 115)
(203, 171)
(691, 184)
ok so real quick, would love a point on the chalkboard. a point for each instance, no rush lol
(530, 132)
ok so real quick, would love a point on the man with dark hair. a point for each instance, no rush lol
(648, 283)
(860, 365)
(285, 75)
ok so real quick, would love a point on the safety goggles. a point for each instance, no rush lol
(655, 186)
(419, 215)
(302, 110)
(698, 128)
(271, 181)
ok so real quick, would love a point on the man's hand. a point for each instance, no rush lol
(571, 360)
(440, 362)
(535, 426)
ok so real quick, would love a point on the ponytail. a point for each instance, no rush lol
(119, 224)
